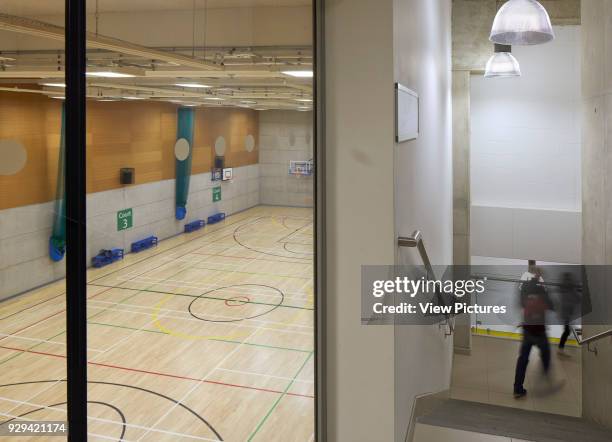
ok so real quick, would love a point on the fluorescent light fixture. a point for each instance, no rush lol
(115, 72)
(193, 85)
(502, 63)
(53, 84)
(58, 97)
(133, 98)
(304, 100)
(107, 99)
(109, 74)
(299, 74)
(214, 98)
(522, 22)
(304, 108)
(248, 102)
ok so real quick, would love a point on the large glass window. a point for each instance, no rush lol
(32, 221)
(200, 240)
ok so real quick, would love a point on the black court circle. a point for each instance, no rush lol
(210, 295)
(133, 387)
(105, 404)
(287, 246)
(237, 230)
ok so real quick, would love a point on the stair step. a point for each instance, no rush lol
(514, 423)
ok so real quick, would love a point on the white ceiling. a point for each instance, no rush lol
(55, 7)
(237, 75)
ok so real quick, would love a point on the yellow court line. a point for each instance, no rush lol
(277, 222)
(291, 321)
(514, 336)
(157, 323)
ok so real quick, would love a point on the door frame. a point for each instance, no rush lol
(320, 221)
(76, 205)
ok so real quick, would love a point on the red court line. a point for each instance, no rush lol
(37, 321)
(156, 373)
(50, 316)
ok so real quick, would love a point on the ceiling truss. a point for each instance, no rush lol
(234, 76)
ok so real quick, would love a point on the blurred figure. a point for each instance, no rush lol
(535, 303)
(568, 301)
(532, 271)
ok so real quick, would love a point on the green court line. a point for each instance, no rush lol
(123, 301)
(215, 339)
(152, 291)
(60, 333)
(126, 327)
(275, 404)
(201, 297)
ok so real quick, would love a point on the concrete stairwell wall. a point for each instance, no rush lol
(597, 193)
(370, 44)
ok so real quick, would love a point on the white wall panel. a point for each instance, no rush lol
(525, 148)
(518, 233)
(24, 260)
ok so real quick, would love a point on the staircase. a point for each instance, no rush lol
(460, 421)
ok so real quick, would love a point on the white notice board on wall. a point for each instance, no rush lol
(406, 114)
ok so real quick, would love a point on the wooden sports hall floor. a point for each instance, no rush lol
(207, 337)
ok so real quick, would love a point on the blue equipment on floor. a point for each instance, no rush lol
(217, 217)
(105, 257)
(144, 244)
(194, 225)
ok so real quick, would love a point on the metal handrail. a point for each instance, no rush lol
(588, 341)
(520, 281)
(416, 241)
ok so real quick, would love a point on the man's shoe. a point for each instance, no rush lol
(562, 353)
(519, 394)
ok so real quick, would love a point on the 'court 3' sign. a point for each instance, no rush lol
(125, 219)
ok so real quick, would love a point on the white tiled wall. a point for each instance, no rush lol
(526, 156)
(544, 235)
(525, 149)
(25, 231)
(285, 136)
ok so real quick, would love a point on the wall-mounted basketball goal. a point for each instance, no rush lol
(301, 168)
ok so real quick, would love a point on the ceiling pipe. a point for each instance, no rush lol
(37, 28)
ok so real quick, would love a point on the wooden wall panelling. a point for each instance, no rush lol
(126, 134)
(119, 134)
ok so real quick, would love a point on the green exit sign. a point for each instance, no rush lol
(216, 194)
(125, 219)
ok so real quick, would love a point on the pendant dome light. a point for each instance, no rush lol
(522, 22)
(502, 63)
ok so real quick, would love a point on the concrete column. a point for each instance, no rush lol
(360, 215)
(461, 194)
(375, 373)
(597, 192)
